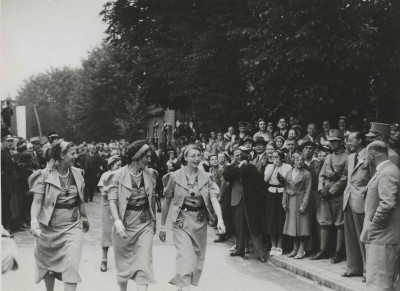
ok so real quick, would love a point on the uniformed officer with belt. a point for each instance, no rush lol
(330, 189)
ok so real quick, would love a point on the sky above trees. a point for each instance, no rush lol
(39, 34)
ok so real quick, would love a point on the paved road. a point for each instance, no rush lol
(221, 272)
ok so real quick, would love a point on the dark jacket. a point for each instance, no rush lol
(252, 182)
(91, 164)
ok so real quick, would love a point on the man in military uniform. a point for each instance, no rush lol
(381, 131)
(330, 189)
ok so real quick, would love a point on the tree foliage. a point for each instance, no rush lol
(102, 91)
(50, 93)
(228, 60)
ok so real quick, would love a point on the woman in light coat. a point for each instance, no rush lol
(131, 192)
(58, 218)
(190, 196)
(295, 200)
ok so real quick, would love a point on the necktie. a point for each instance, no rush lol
(355, 160)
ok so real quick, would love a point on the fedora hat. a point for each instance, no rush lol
(260, 139)
(247, 138)
(378, 129)
(335, 134)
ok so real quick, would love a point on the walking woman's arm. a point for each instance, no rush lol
(35, 210)
(213, 191)
(85, 221)
(119, 227)
(37, 189)
(169, 183)
(164, 214)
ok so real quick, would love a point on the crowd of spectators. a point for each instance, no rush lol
(263, 203)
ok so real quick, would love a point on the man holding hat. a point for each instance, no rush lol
(330, 189)
(382, 131)
(7, 178)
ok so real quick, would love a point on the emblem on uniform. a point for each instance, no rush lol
(200, 216)
(143, 217)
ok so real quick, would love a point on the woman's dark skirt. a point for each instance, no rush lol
(275, 215)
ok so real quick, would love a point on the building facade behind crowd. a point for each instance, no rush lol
(333, 153)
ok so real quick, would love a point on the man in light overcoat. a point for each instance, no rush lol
(357, 173)
(381, 231)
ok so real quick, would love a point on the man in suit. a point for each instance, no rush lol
(283, 129)
(244, 194)
(291, 145)
(260, 161)
(357, 173)
(330, 189)
(91, 165)
(311, 133)
(381, 231)
(381, 131)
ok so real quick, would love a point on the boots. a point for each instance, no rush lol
(323, 253)
(338, 256)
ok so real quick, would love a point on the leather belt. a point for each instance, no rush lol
(192, 208)
(67, 205)
(274, 189)
(137, 207)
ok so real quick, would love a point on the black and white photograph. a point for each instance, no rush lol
(204, 145)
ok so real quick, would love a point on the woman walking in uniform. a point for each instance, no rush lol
(58, 218)
(113, 164)
(131, 191)
(190, 194)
